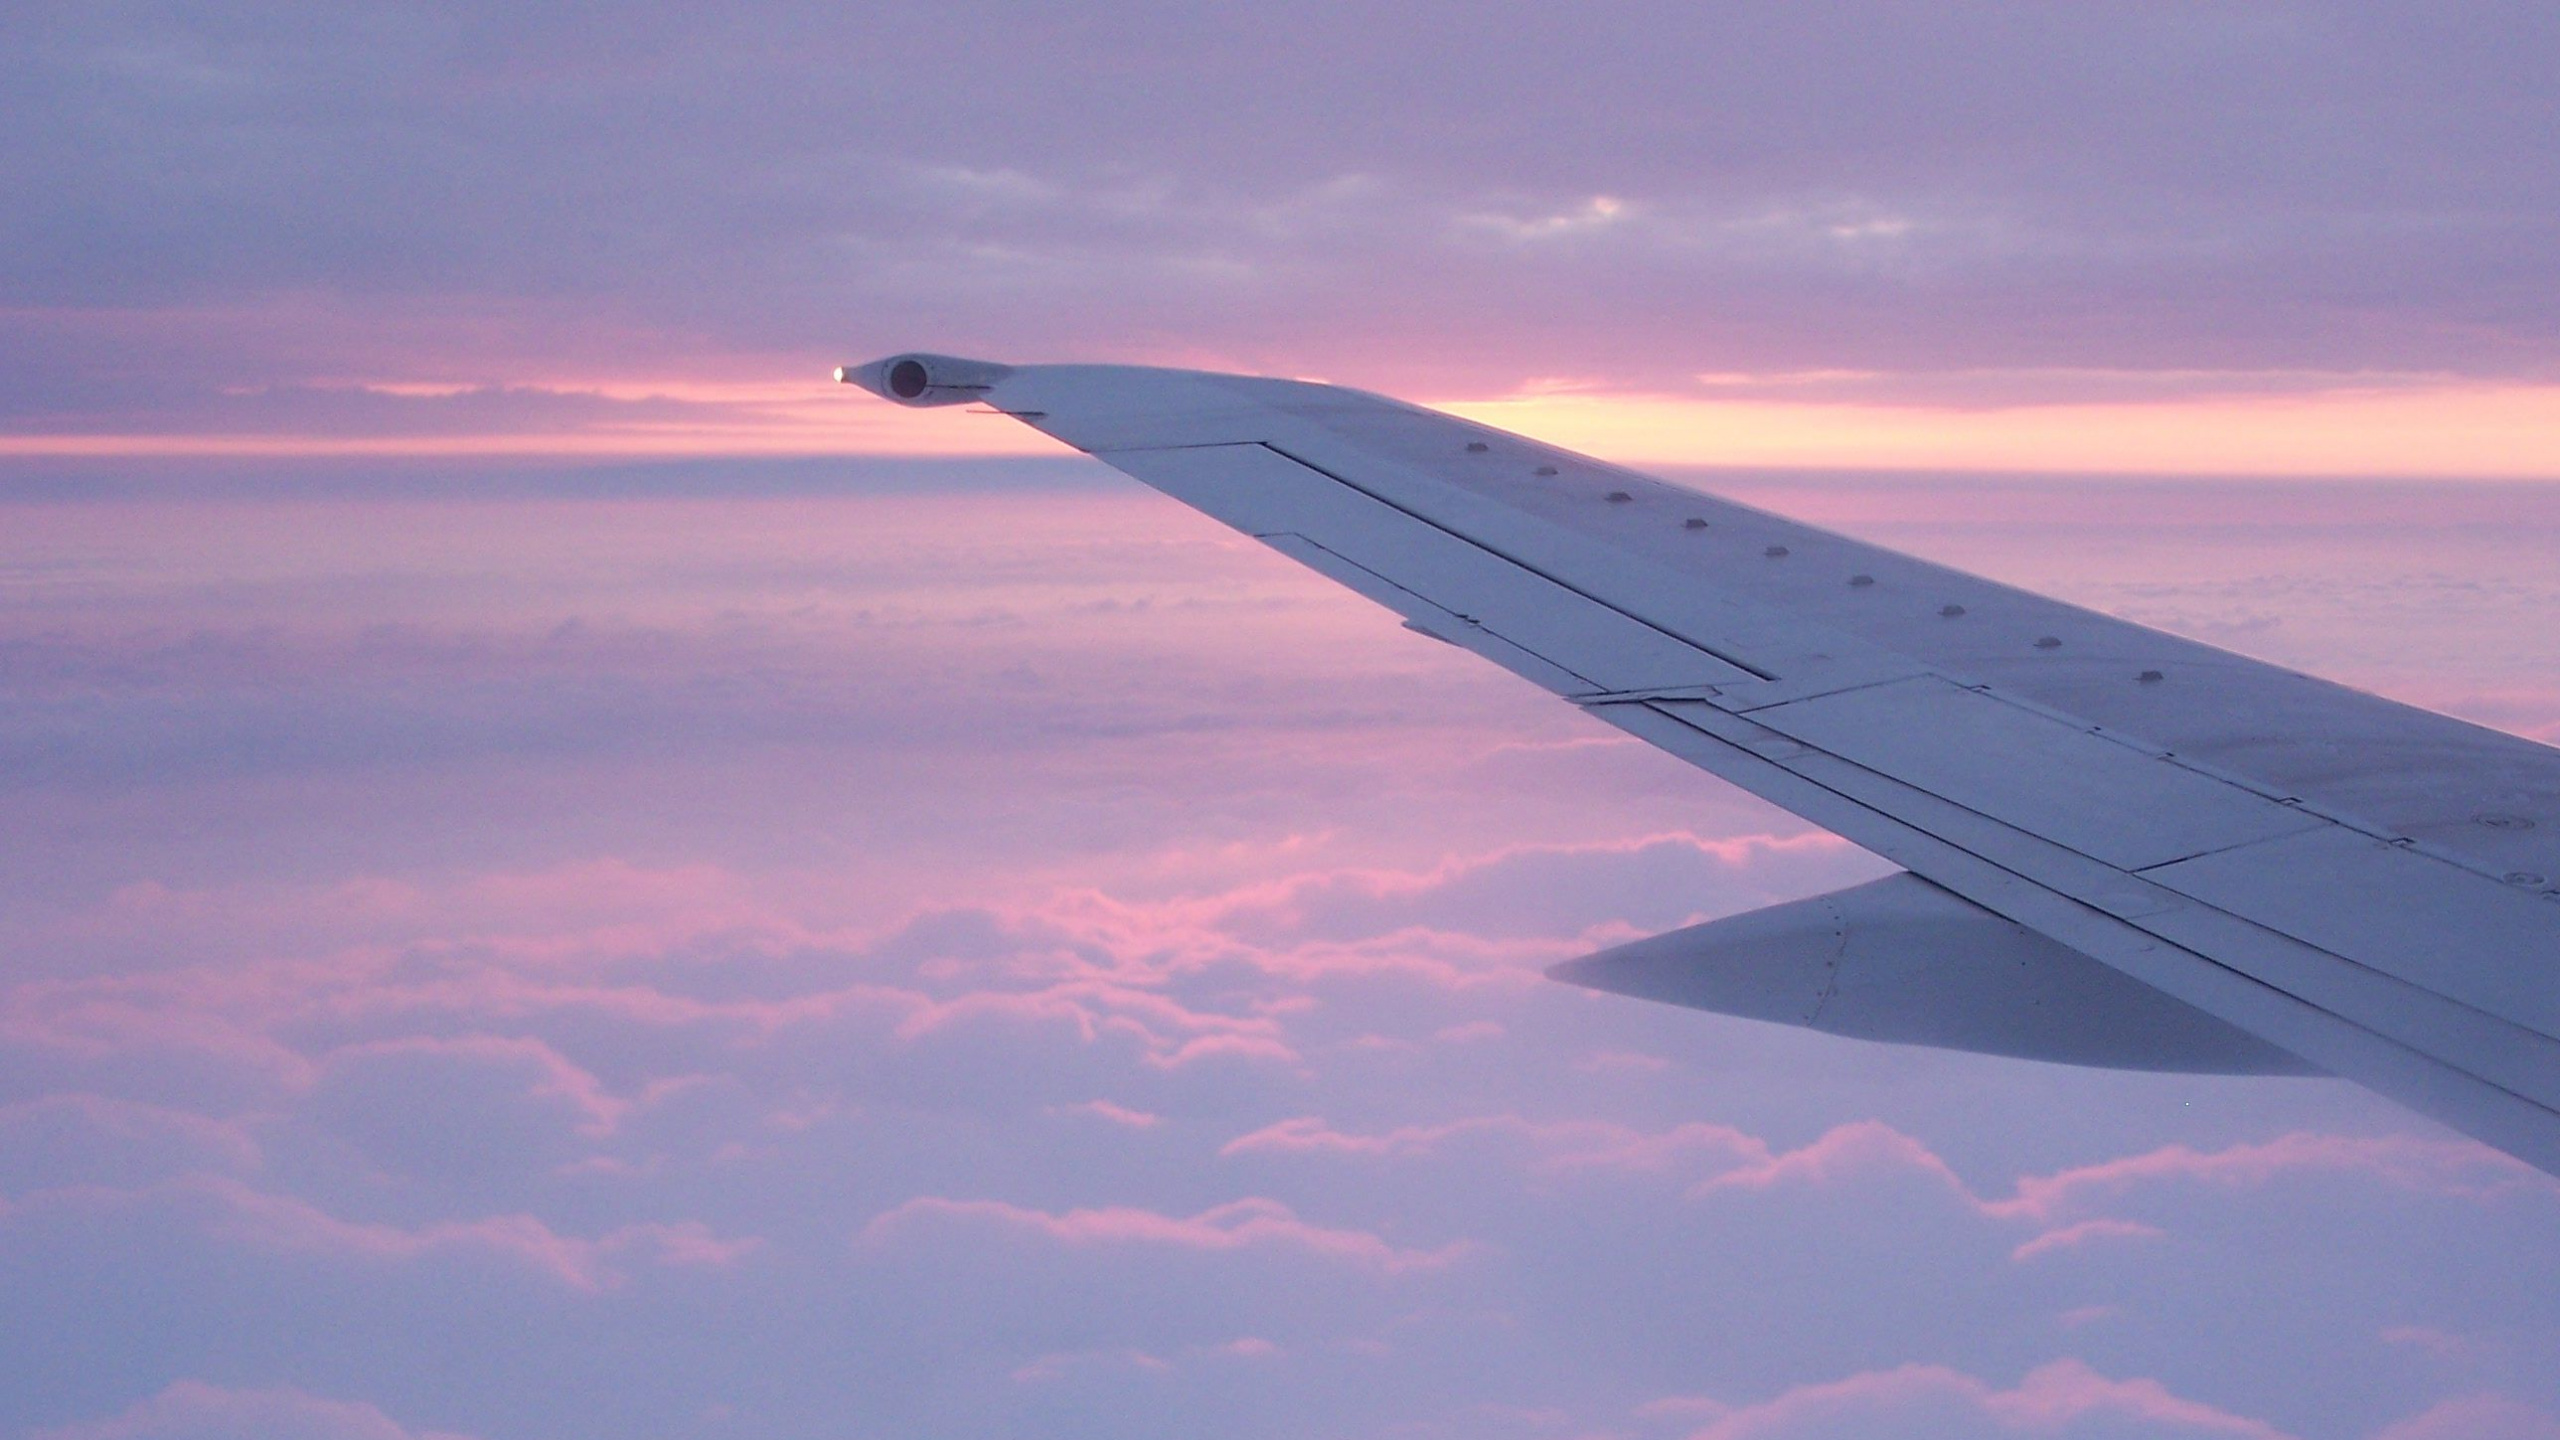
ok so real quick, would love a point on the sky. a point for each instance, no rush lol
(564, 877)
(2271, 237)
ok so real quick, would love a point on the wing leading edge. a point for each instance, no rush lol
(2354, 882)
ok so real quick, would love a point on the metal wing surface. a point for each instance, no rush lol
(2360, 884)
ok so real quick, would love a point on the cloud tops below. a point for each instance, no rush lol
(999, 955)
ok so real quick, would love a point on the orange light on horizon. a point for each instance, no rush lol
(2471, 432)
(860, 426)
(2447, 431)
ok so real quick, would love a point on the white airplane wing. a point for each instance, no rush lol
(2124, 848)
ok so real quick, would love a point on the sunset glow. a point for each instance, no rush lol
(2449, 432)
(567, 877)
(2505, 432)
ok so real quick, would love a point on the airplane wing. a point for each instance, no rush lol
(2124, 847)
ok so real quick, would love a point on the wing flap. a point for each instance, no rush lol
(2393, 1037)
(2435, 925)
(2184, 939)
(2104, 799)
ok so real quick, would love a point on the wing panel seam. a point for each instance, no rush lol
(1512, 560)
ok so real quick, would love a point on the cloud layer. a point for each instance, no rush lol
(1025, 963)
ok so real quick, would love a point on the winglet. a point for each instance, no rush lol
(921, 380)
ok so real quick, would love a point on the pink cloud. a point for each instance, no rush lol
(195, 1410)
(225, 1209)
(1059, 1366)
(2426, 1340)
(1447, 960)
(1864, 1147)
(1277, 924)
(1694, 1141)
(590, 909)
(2476, 1417)
(512, 951)
(535, 1068)
(85, 1025)
(1292, 902)
(1115, 1114)
(241, 1011)
(2065, 1391)
(2446, 1167)
(1683, 1409)
(153, 1134)
(2071, 1237)
(1308, 1134)
(2054, 1400)
(1155, 944)
(1235, 1047)
(272, 1222)
(1238, 1225)
(1554, 1145)
(1621, 1062)
(1167, 1033)
(685, 1242)
(1871, 1149)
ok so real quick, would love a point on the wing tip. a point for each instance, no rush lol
(921, 379)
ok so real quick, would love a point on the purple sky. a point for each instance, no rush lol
(539, 949)
(361, 220)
